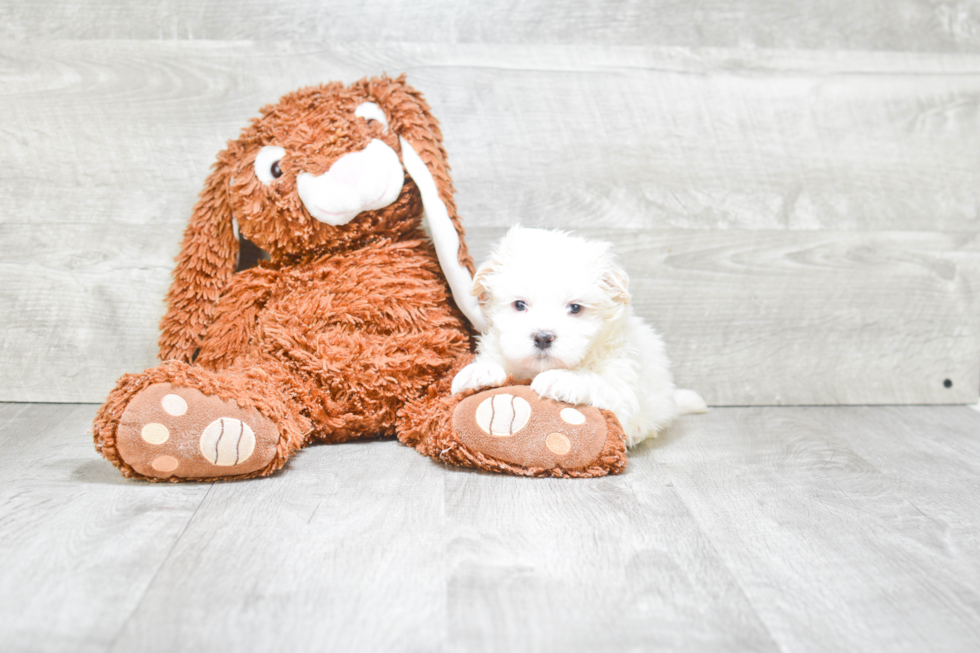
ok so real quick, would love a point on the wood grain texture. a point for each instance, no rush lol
(919, 25)
(841, 509)
(344, 550)
(632, 137)
(83, 306)
(807, 317)
(707, 154)
(79, 544)
(763, 529)
(606, 564)
(750, 318)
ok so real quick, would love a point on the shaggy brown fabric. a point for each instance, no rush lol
(264, 388)
(345, 323)
(347, 331)
(316, 126)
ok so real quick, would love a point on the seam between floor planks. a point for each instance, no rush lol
(719, 557)
(156, 574)
(853, 469)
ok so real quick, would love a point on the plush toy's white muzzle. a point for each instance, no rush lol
(372, 179)
(367, 180)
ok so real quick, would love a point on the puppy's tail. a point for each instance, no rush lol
(689, 402)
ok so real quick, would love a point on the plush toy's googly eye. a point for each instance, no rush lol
(371, 111)
(267, 163)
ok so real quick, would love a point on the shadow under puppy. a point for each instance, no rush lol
(558, 312)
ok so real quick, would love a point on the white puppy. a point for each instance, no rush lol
(557, 308)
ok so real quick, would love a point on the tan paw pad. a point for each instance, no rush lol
(168, 431)
(514, 425)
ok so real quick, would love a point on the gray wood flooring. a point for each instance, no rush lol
(757, 529)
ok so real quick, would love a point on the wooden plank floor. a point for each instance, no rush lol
(763, 529)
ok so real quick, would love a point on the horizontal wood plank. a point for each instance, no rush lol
(557, 136)
(920, 25)
(749, 318)
(83, 306)
(785, 318)
(792, 201)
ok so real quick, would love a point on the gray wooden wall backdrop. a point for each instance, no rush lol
(793, 188)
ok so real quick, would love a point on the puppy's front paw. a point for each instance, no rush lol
(479, 375)
(563, 385)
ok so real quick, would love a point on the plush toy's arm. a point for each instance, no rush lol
(207, 260)
(235, 316)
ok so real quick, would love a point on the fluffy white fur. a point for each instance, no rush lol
(602, 355)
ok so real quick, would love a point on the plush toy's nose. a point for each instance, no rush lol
(360, 181)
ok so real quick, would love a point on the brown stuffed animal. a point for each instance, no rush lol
(356, 325)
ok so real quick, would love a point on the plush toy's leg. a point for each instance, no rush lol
(512, 430)
(182, 422)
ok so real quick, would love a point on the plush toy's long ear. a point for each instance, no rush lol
(207, 260)
(425, 160)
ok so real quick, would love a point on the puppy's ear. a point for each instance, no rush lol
(207, 260)
(480, 288)
(616, 283)
(425, 161)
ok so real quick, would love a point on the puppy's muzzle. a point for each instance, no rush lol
(543, 339)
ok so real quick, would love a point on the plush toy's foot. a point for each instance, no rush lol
(169, 432)
(513, 430)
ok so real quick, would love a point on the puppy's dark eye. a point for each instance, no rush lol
(574, 309)
(371, 123)
(275, 170)
(520, 306)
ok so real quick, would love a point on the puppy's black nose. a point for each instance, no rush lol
(543, 339)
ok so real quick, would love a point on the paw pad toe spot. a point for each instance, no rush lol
(174, 405)
(558, 444)
(164, 463)
(155, 433)
(572, 416)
